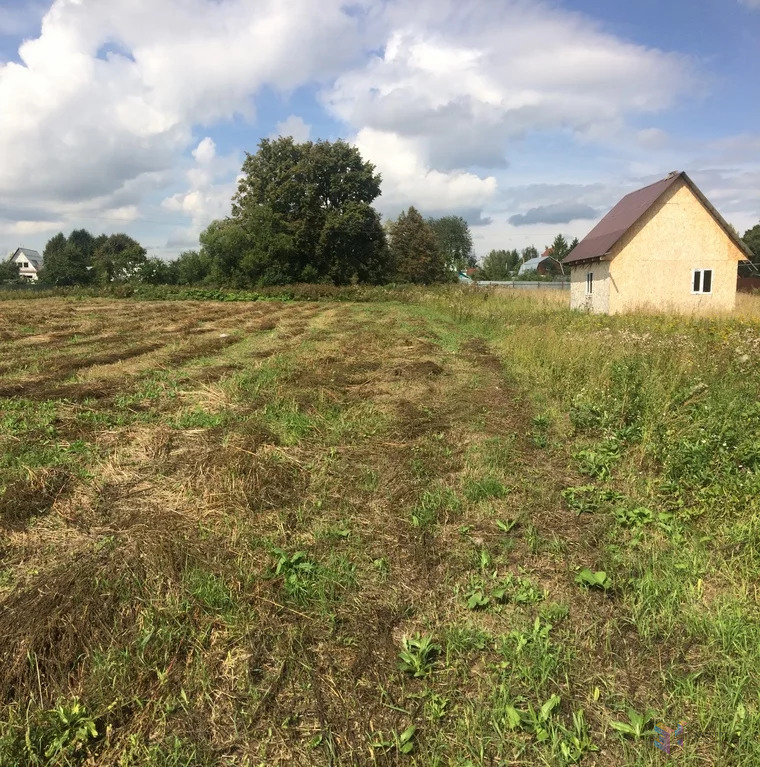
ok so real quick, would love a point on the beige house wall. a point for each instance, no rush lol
(653, 264)
(599, 300)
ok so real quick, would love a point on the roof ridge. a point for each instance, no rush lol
(669, 177)
(613, 226)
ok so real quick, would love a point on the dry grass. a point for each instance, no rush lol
(219, 544)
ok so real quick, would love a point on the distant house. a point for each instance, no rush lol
(664, 247)
(29, 263)
(544, 265)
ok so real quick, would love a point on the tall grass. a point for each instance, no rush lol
(664, 410)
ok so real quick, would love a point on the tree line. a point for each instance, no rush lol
(301, 213)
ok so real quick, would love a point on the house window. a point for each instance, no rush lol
(701, 281)
(24, 265)
(589, 283)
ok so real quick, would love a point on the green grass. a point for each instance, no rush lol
(452, 529)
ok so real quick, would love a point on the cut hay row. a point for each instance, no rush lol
(351, 534)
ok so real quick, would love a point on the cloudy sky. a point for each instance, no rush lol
(527, 117)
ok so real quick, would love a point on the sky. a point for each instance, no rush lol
(527, 118)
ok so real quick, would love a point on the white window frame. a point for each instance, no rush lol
(701, 273)
(590, 283)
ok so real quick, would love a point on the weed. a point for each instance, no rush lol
(480, 489)
(637, 725)
(297, 572)
(418, 655)
(594, 579)
(597, 462)
(519, 591)
(433, 504)
(506, 526)
(62, 735)
(589, 499)
(402, 742)
(436, 706)
(540, 434)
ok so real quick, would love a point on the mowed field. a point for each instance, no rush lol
(355, 533)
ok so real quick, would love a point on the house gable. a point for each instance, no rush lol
(654, 263)
(31, 258)
(605, 238)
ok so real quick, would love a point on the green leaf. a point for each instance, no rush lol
(623, 727)
(549, 706)
(513, 717)
(476, 600)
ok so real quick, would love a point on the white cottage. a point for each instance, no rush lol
(29, 263)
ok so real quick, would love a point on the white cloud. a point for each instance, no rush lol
(457, 86)
(103, 98)
(205, 152)
(208, 194)
(751, 3)
(408, 179)
(468, 79)
(443, 96)
(33, 227)
(293, 126)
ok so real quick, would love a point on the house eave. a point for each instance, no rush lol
(590, 260)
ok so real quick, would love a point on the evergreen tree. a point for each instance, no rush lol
(414, 250)
(9, 272)
(559, 248)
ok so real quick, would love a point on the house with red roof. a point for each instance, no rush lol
(664, 247)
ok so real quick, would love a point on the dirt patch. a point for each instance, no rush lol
(421, 369)
(24, 499)
(213, 373)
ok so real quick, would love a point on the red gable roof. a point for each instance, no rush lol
(600, 240)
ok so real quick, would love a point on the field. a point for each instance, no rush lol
(455, 529)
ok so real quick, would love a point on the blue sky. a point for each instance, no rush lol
(528, 118)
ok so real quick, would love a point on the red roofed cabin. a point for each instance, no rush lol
(663, 247)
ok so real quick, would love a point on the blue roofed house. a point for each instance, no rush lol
(544, 265)
(29, 263)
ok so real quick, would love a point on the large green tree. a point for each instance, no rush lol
(83, 243)
(454, 241)
(117, 258)
(156, 271)
(302, 212)
(191, 268)
(752, 240)
(414, 250)
(499, 265)
(64, 263)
